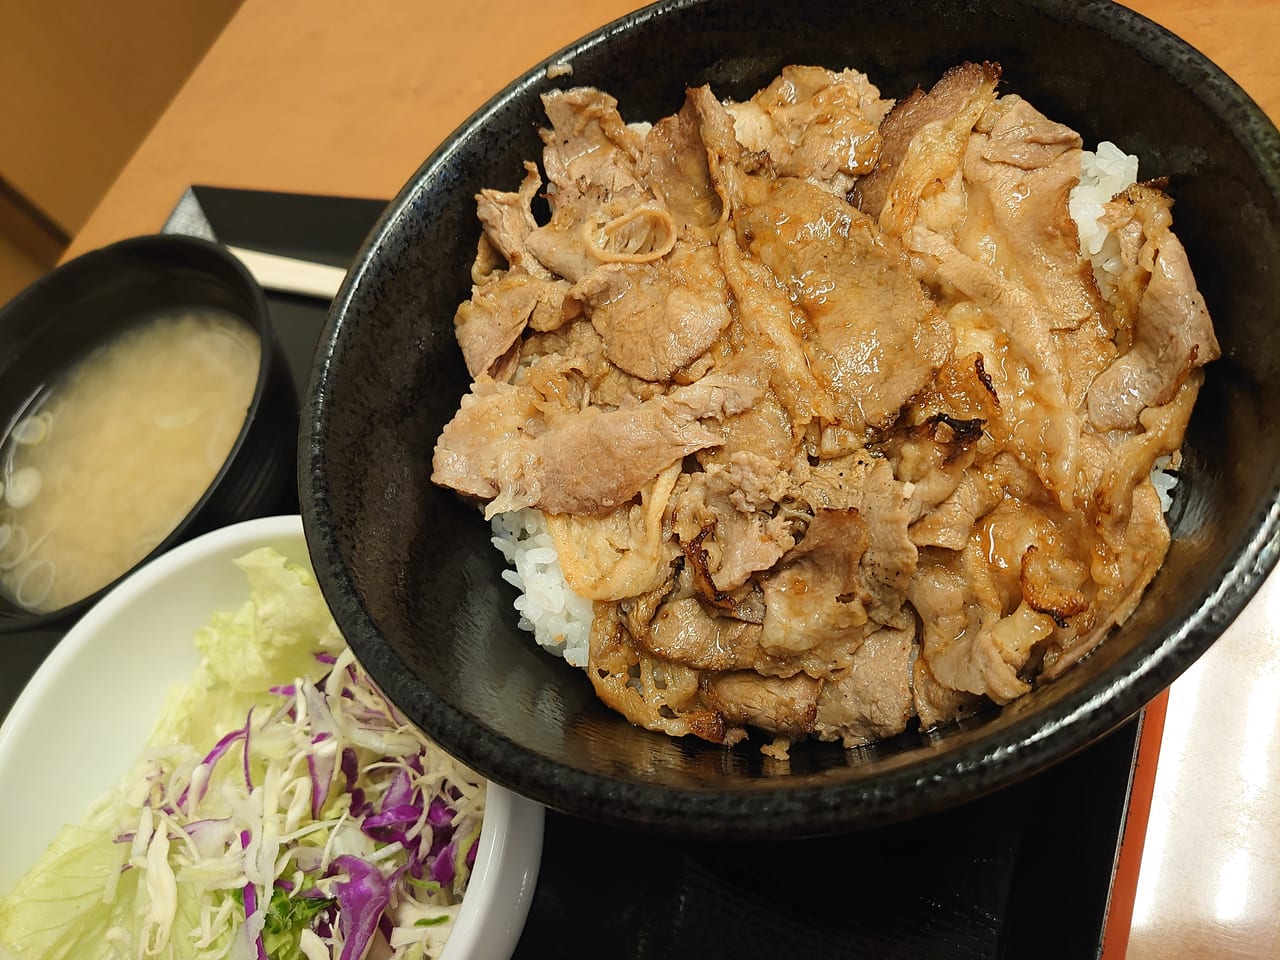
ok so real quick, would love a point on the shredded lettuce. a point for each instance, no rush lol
(274, 636)
(282, 809)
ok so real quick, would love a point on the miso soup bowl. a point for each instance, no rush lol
(416, 586)
(93, 298)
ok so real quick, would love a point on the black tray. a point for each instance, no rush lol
(1026, 872)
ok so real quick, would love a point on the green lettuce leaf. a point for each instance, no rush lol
(272, 639)
(58, 911)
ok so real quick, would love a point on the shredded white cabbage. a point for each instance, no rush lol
(282, 806)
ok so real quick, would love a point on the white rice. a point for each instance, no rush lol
(560, 620)
(1103, 174)
(1164, 478)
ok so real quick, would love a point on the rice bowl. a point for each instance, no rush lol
(436, 626)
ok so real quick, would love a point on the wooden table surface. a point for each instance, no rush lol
(324, 96)
(332, 97)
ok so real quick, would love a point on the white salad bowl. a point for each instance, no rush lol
(85, 716)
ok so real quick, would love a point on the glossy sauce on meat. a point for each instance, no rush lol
(824, 407)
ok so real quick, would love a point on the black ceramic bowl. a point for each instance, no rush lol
(409, 570)
(88, 300)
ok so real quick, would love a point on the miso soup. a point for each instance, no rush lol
(113, 454)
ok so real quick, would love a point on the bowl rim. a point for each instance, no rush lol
(19, 619)
(509, 855)
(1027, 746)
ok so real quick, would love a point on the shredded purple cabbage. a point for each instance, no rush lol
(439, 814)
(362, 898)
(399, 791)
(321, 772)
(248, 780)
(392, 817)
(251, 896)
(211, 759)
(442, 867)
(350, 766)
(360, 804)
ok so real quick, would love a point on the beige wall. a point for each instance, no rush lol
(81, 83)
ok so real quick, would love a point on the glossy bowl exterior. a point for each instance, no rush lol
(87, 301)
(409, 570)
(107, 681)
